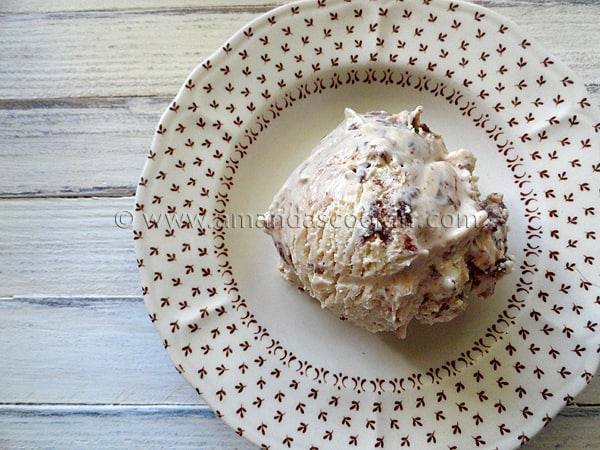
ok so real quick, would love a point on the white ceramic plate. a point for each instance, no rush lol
(279, 370)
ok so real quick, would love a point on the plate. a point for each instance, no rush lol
(285, 374)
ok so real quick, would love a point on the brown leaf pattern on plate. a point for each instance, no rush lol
(541, 349)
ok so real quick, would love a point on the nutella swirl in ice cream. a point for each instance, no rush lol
(382, 225)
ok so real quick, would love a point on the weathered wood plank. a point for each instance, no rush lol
(97, 351)
(62, 6)
(116, 427)
(197, 427)
(42, 146)
(151, 51)
(146, 52)
(66, 350)
(45, 152)
(74, 146)
(65, 246)
(49, 6)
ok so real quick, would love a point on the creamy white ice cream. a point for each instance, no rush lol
(382, 225)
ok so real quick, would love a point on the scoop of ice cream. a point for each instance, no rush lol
(382, 225)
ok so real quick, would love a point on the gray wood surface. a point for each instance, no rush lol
(82, 86)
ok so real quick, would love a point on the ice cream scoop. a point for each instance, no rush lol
(382, 225)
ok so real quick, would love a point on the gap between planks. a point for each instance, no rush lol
(199, 427)
(98, 192)
(182, 409)
(64, 409)
(68, 9)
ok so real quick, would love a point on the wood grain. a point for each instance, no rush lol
(62, 137)
(146, 52)
(116, 427)
(67, 246)
(86, 351)
(44, 150)
(63, 6)
(70, 146)
(150, 52)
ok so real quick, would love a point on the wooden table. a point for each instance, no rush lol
(82, 86)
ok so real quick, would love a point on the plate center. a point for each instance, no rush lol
(291, 316)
